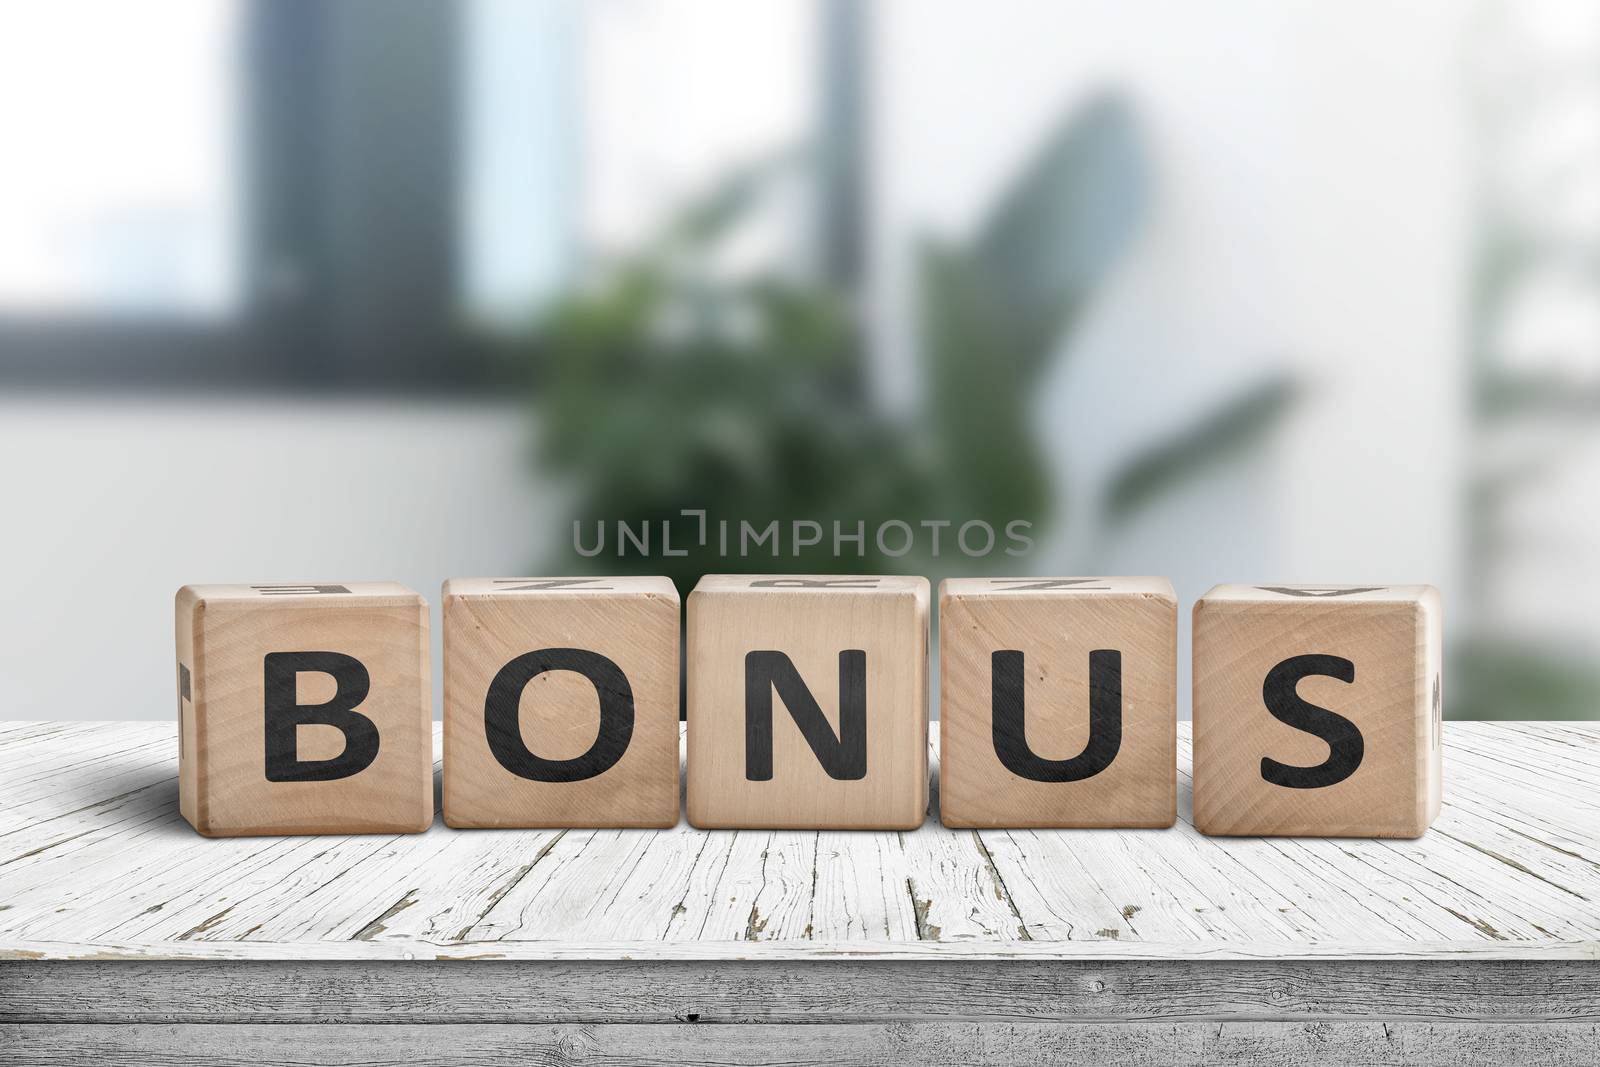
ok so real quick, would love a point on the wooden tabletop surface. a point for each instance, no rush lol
(95, 863)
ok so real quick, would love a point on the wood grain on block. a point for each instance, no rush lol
(304, 709)
(561, 702)
(1058, 702)
(808, 702)
(1317, 710)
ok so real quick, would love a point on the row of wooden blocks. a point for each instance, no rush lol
(307, 708)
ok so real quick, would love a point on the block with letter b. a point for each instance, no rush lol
(1058, 702)
(304, 709)
(808, 702)
(1317, 710)
(561, 702)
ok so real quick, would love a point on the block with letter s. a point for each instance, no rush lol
(1317, 710)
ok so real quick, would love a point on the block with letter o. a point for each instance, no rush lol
(561, 702)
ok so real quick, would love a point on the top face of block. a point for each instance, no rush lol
(574, 587)
(814, 585)
(985, 588)
(1309, 595)
(302, 594)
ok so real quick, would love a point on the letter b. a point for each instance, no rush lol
(285, 715)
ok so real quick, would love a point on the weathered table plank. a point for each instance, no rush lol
(779, 991)
(126, 938)
(958, 1044)
(95, 862)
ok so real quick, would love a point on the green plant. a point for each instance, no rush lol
(667, 384)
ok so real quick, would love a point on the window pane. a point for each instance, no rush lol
(678, 92)
(120, 123)
(519, 128)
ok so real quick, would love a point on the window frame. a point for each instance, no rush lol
(348, 137)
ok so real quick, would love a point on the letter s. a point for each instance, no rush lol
(1345, 744)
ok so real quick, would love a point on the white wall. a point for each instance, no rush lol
(1310, 212)
(113, 504)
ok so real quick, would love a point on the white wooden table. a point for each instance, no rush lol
(125, 937)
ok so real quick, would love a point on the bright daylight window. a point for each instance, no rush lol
(247, 192)
(120, 192)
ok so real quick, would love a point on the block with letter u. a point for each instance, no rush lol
(1058, 702)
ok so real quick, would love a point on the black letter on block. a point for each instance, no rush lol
(1345, 744)
(814, 583)
(285, 716)
(1010, 734)
(843, 757)
(502, 723)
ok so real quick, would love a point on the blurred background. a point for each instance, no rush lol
(1244, 291)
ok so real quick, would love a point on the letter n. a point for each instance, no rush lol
(843, 756)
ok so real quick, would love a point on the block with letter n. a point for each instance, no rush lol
(1058, 702)
(808, 702)
(304, 709)
(1317, 710)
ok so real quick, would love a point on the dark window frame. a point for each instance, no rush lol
(349, 142)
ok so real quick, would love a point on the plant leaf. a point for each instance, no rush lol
(1503, 677)
(1234, 426)
(994, 310)
(1057, 230)
(709, 216)
(988, 454)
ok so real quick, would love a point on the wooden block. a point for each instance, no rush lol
(1058, 702)
(304, 709)
(561, 702)
(1317, 710)
(808, 702)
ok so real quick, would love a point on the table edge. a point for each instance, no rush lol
(734, 951)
